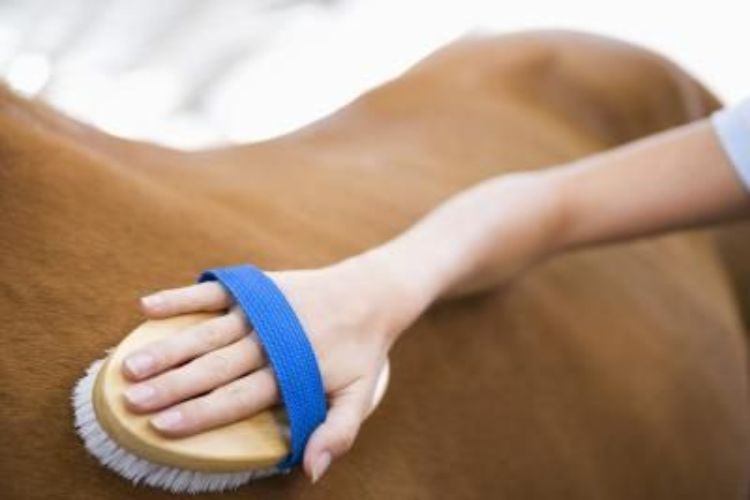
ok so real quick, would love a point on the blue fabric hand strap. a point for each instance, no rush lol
(286, 346)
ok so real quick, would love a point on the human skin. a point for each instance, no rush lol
(356, 309)
(615, 372)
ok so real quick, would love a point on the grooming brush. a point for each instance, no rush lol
(217, 459)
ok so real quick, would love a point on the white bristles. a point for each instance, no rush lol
(139, 470)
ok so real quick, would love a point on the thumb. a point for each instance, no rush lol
(337, 433)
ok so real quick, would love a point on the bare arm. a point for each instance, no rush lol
(354, 310)
(676, 179)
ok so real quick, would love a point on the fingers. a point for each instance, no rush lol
(208, 296)
(239, 399)
(337, 433)
(186, 345)
(201, 375)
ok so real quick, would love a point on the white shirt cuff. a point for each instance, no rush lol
(732, 126)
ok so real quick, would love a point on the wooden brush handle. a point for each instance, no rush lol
(256, 442)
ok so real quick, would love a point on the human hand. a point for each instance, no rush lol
(215, 372)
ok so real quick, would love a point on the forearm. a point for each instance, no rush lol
(481, 236)
(485, 235)
(676, 179)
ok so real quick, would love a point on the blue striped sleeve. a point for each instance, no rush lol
(732, 126)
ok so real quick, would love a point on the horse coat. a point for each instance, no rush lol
(612, 373)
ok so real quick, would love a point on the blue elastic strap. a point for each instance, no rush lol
(287, 349)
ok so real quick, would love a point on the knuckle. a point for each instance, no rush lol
(216, 292)
(211, 336)
(240, 396)
(179, 298)
(235, 320)
(161, 355)
(194, 412)
(166, 390)
(345, 439)
(163, 300)
(219, 365)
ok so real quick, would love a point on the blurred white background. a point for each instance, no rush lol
(194, 73)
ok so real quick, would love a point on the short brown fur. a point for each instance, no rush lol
(617, 373)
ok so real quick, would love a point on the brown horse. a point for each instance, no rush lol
(615, 373)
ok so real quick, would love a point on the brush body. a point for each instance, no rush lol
(215, 460)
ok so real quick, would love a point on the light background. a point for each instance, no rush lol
(194, 73)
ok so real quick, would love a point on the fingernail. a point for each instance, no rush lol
(140, 364)
(167, 420)
(152, 301)
(139, 394)
(320, 466)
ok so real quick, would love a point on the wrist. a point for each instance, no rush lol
(393, 288)
(485, 235)
(476, 239)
